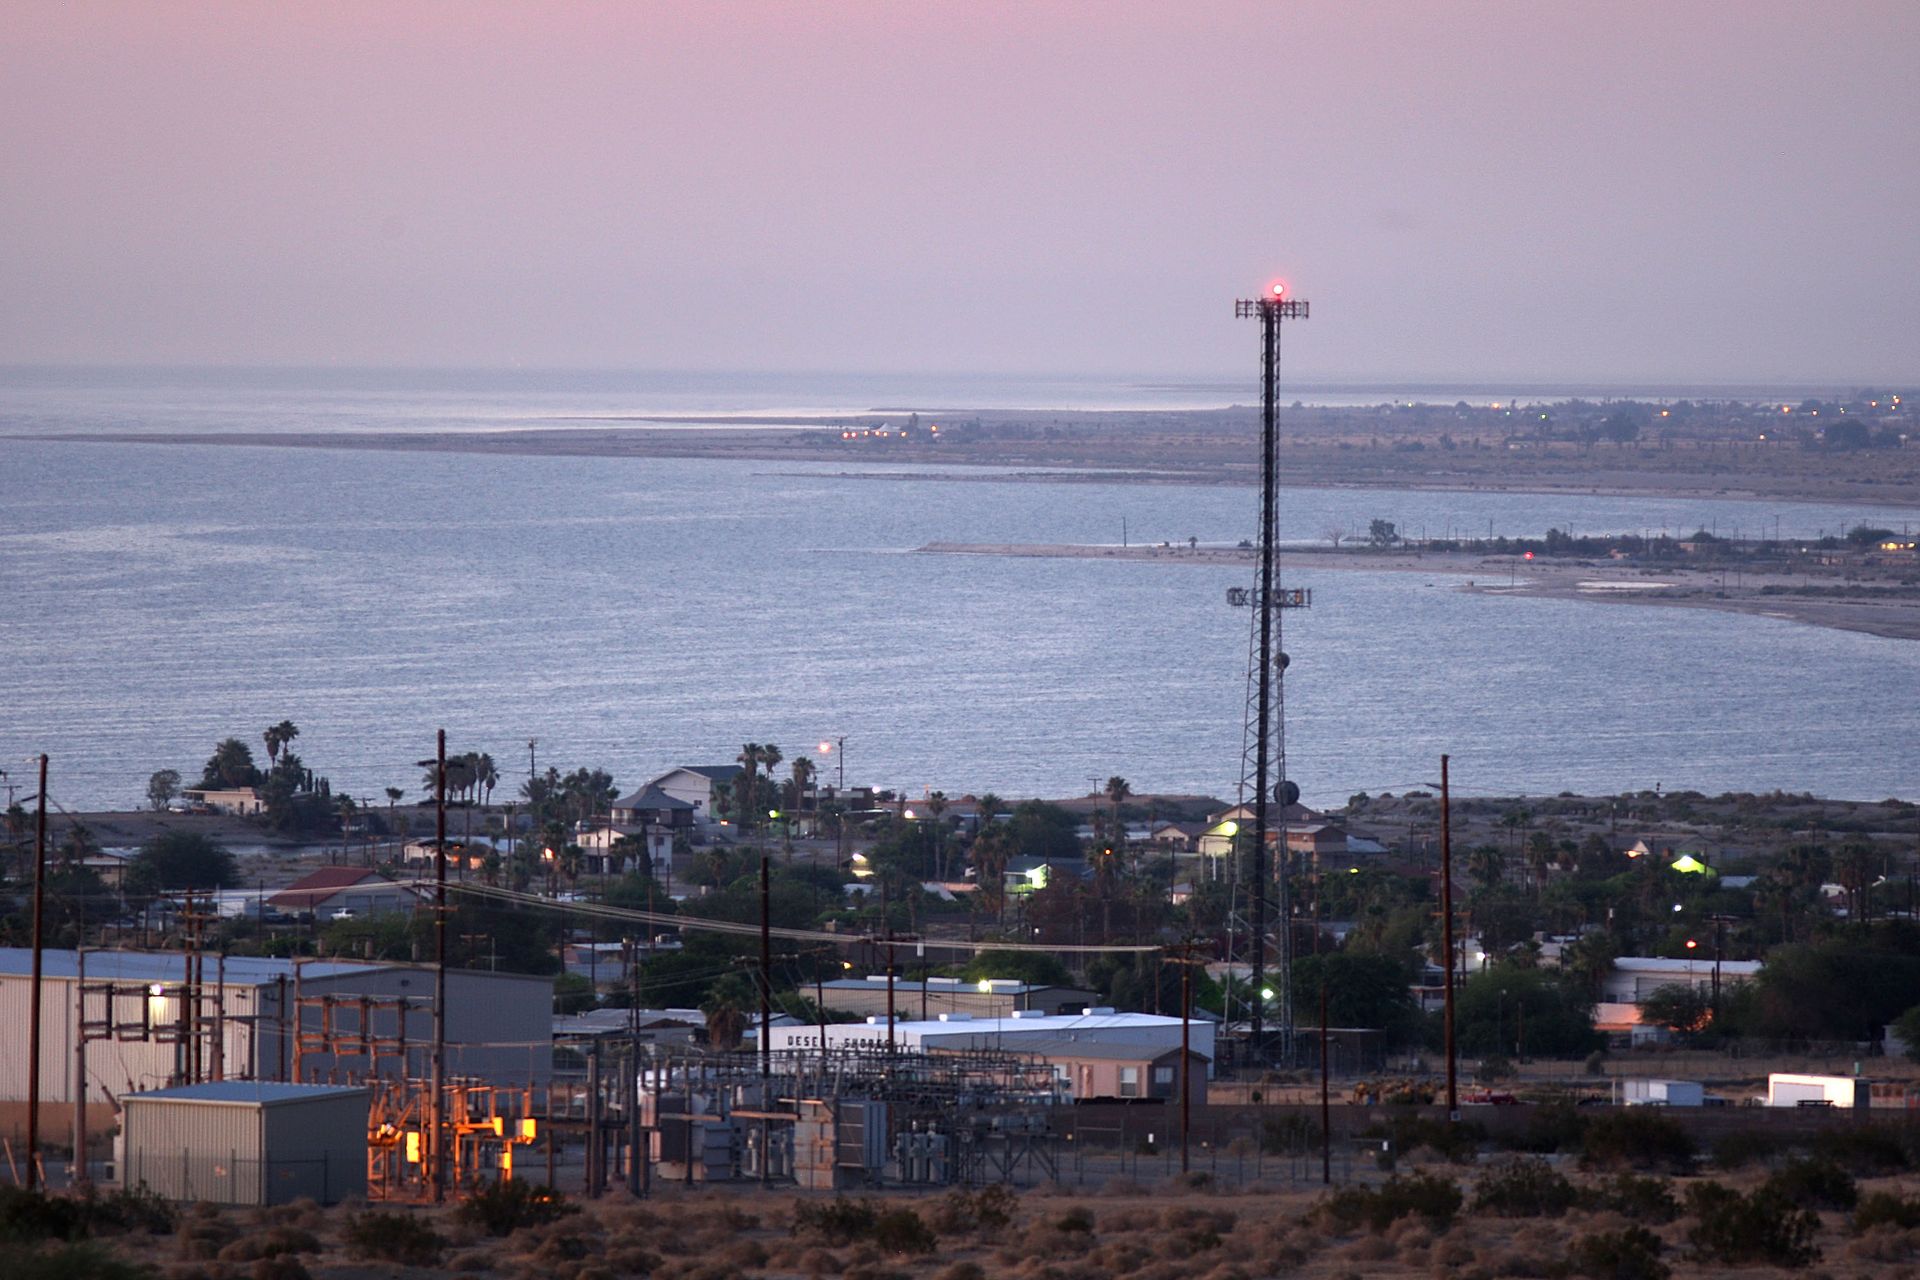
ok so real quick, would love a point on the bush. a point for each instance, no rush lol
(131, 1209)
(27, 1216)
(988, 1209)
(1814, 1184)
(1763, 1228)
(393, 1237)
(1457, 1143)
(1522, 1188)
(1878, 1208)
(1642, 1199)
(1738, 1150)
(1632, 1254)
(902, 1231)
(1637, 1138)
(837, 1222)
(1288, 1134)
(1551, 1127)
(1863, 1151)
(83, 1261)
(1077, 1219)
(510, 1204)
(1433, 1198)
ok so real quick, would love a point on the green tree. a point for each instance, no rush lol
(162, 787)
(231, 765)
(1034, 967)
(1678, 1006)
(1362, 991)
(1511, 1008)
(278, 736)
(572, 993)
(180, 860)
(1382, 533)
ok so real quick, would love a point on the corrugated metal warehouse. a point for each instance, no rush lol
(499, 1025)
(247, 1142)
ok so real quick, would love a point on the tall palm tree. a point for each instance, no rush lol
(749, 759)
(770, 757)
(937, 811)
(803, 774)
(486, 776)
(278, 736)
(1117, 790)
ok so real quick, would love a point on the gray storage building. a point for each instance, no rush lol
(247, 1142)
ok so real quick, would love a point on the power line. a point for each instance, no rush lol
(702, 924)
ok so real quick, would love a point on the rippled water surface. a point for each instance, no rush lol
(641, 613)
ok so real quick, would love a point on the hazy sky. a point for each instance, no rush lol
(1679, 190)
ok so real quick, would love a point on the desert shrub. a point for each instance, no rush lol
(1630, 1254)
(1863, 1150)
(1457, 1143)
(1077, 1219)
(1632, 1196)
(988, 1209)
(902, 1231)
(1433, 1198)
(271, 1243)
(1637, 1138)
(392, 1237)
(836, 1222)
(1748, 1146)
(1886, 1208)
(202, 1235)
(503, 1207)
(26, 1216)
(1522, 1188)
(1814, 1184)
(281, 1266)
(1550, 1127)
(1288, 1134)
(130, 1209)
(1762, 1228)
(75, 1261)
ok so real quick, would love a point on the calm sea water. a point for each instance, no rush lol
(639, 613)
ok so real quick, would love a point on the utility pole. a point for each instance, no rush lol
(766, 975)
(436, 1110)
(39, 946)
(1326, 1109)
(1446, 936)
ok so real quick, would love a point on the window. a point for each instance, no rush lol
(1129, 1082)
(1163, 1075)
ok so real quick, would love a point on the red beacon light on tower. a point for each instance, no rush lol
(1277, 290)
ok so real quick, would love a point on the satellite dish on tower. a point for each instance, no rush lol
(1288, 792)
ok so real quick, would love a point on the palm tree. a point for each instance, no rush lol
(1486, 864)
(803, 773)
(278, 736)
(937, 810)
(486, 776)
(769, 757)
(1117, 790)
(749, 759)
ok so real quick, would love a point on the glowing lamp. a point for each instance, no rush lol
(1691, 944)
(1266, 993)
(986, 986)
(1278, 289)
(1687, 864)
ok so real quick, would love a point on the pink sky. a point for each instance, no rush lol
(1619, 191)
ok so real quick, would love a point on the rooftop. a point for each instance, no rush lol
(169, 966)
(249, 1092)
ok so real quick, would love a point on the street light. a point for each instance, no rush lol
(837, 746)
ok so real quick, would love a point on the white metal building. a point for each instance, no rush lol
(499, 1025)
(247, 1142)
(1021, 1033)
